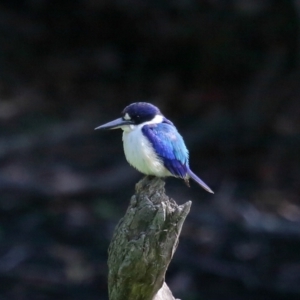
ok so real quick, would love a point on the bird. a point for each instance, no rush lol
(152, 144)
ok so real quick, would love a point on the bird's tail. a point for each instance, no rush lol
(200, 182)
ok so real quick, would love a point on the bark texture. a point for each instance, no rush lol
(144, 243)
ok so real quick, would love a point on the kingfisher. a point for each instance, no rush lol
(152, 143)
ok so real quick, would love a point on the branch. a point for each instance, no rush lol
(144, 243)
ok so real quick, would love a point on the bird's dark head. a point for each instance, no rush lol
(140, 112)
(135, 114)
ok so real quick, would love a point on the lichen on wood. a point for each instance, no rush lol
(144, 243)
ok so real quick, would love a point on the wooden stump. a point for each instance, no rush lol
(144, 243)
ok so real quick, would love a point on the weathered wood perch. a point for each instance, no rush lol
(144, 243)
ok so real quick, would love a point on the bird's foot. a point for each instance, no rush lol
(187, 182)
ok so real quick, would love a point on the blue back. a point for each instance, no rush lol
(169, 146)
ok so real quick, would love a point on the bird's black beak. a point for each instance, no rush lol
(115, 124)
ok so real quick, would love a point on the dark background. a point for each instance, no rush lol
(225, 72)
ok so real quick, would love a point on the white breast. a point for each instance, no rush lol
(140, 153)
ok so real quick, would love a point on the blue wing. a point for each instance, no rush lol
(169, 146)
